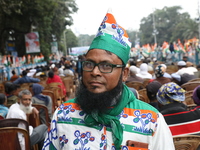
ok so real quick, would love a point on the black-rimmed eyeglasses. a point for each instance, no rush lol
(104, 67)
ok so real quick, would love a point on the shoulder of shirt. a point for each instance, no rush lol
(70, 101)
(138, 104)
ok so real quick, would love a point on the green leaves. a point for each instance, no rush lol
(48, 16)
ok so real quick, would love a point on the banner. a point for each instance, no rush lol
(32, 42)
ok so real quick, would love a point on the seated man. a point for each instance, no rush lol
(39, 98)
(143, 73)
(19, 110)
(12, 91)
(14, 76)
(159, 73)
(3, 108)
(26, 79)
(152, 89)
(179, 119)
(133, 75)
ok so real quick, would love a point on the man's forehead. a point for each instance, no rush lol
(25, 95)
(92, 53)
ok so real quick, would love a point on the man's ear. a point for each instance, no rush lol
(125, 74)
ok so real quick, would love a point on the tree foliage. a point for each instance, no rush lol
(49, 18)
(85, 39)
(71, 39)
(170, 24)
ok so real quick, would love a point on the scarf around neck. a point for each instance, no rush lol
(110, 118)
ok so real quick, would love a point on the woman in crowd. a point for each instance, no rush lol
(39, 98)
(52, 77)
(143, 73)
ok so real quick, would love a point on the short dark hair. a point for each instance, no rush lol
(10, 87)
(13, 72)
(51, 74)
(24, 72)
(2, 98)
(152, 89)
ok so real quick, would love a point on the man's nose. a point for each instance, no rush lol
(28, 102)
(96, 70)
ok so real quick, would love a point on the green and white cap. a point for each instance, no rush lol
(112, 37)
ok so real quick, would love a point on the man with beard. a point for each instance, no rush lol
(105, 114)
(19, 110)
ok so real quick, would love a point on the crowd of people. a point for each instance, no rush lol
(105, 113)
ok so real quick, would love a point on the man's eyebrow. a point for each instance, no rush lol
(104, 61)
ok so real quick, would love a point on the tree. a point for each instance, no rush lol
(85, 39)
(49, 17)
(71, 39)
(170, 24)
(134, 37)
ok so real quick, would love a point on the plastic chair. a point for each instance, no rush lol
(187, 142)
(188, 93)
(69, 85)
(9, 138)
(146, 82)
(191, 106)
(33, 121)
(136, 85)
(54, 101)
(25, 86)
(142, 98)
(189, 100)
(55, 87)
(190, 85)
(42, 108)
(14, 122)
(172, 69)
(143, 92)
(194, 80)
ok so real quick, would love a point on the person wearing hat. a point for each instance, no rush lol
(159, 73)
(105, 114)
(143, 73)
(61, 71)
(167, 75)
(171, 96)
(133, 75)
(180, 120)
(39, 98)
(181, 64)
(182, 68)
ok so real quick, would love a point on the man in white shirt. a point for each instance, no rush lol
(19, 110)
